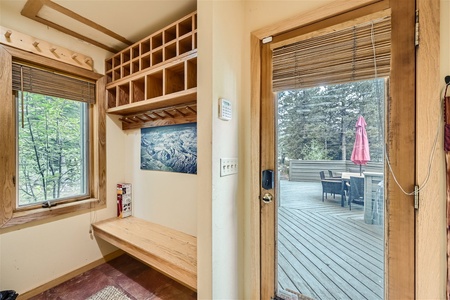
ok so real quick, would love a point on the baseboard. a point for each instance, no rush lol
(70, 275)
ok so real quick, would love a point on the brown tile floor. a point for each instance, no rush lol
(135, 279)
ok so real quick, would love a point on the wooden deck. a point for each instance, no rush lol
(326, 251)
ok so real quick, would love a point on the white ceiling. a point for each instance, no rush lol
(132, 19)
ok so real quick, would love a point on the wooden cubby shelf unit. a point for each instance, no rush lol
(157, 72)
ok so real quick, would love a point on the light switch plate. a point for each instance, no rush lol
(228, 166)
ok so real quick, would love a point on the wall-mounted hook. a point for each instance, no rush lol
(180, 112)
(52, 49)
(158, 115)
(8, 34)
(88, 60)
(148, 116)
(125, 120)
(74, 56)
(36, 43)
(167, 113)
(190, 109)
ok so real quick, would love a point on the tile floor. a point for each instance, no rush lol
(135, 279)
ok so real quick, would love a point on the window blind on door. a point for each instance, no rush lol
(360, 52)
(30, 79)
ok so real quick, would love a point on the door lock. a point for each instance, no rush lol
(267, 198)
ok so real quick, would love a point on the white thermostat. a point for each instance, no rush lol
(225, 109)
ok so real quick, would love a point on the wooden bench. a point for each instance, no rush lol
(169, 251)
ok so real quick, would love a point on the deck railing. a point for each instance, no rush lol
(308, 170)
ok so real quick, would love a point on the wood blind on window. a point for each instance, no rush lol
(356, 53)
(34, 80)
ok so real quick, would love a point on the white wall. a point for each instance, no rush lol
(220, 58)
(257, 15)
(34, 254)
(169, 199)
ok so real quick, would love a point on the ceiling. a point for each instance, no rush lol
(130, 19)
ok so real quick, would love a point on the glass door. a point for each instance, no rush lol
(330, 210)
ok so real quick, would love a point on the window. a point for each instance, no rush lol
(52, 155)
(52, 133)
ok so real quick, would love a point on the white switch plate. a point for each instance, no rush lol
(228, 166)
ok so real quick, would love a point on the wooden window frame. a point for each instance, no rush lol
(10, 214)
(399, 234)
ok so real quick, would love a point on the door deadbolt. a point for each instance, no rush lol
(267, 198)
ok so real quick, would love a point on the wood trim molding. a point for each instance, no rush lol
(430, 223)
(31, 44)
(8, 138)
(255, 243)
(32, 8)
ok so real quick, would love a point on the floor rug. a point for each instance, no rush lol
(109, 293)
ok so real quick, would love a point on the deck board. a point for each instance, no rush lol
(326, 251)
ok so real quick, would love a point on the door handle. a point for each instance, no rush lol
(267, 198)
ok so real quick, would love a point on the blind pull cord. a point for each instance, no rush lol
(21, 96)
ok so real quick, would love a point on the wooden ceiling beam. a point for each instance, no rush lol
(32, 8)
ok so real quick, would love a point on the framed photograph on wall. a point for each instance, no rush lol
(170, 148)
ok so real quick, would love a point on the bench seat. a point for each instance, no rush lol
(169, 251)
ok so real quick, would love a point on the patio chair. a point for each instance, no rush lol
(332, 175)
(356, 191)
(330, 186)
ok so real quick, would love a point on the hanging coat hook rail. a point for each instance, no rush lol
(179, 114)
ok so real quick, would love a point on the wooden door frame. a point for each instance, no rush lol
(400, 230)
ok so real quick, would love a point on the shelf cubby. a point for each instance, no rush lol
(185, 44)
(170, 34)
(126, 56)
(116, 74)
(111, 97)
(145, 46)
(126, 70)
(123, 94)
(170, 51)
(135, 52)
(135, 66)
(174, 79)
(145, 62)
(185, 26)
(157, 57)
(155, 85)
(138, 89)
(116, 61)
(157, 40)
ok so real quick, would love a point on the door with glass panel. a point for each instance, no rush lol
(323, 221)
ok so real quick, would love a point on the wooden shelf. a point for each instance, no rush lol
(173, 99)
(169, 251)
(157, 72)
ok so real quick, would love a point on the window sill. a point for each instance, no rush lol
(23, 217)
